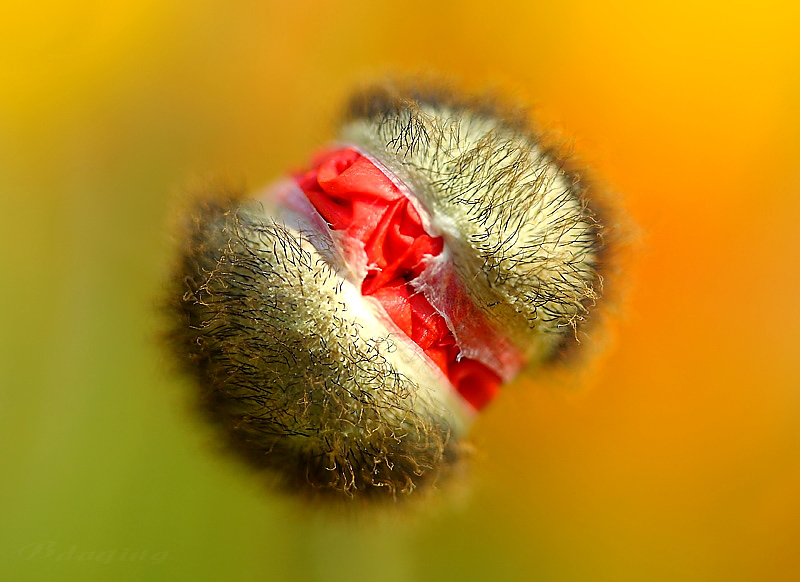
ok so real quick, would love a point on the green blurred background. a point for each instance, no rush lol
(676, 456)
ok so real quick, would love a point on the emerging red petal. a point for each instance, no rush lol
(353, 195)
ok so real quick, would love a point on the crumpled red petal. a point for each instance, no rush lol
(353, 195)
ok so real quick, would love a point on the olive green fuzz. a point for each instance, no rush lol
(518, 223)
(303, 383)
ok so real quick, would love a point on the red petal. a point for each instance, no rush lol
(354, 195)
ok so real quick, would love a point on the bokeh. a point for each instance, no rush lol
(674, 456)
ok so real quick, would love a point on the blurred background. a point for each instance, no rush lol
(676, 456)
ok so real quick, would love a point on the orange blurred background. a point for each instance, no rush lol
(677, 457)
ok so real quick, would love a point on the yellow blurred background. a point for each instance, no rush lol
(677, 459)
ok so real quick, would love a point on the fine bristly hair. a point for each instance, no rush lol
(519, 220)
(285, 368)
